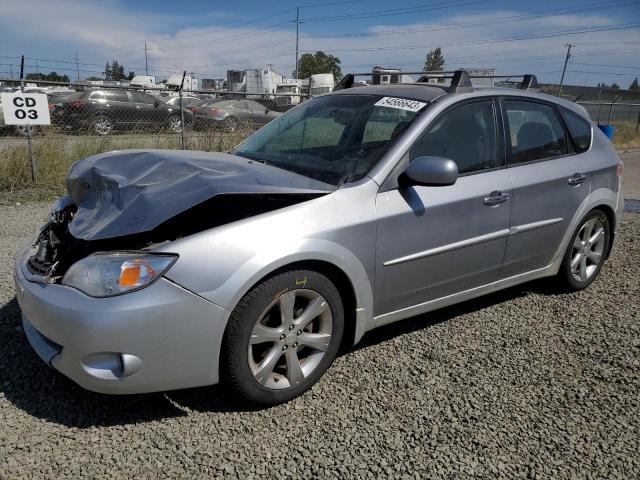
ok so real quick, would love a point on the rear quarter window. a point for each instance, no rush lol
(579, 129)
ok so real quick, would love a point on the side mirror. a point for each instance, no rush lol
(266, 111)
(156, 104)
(431, 171)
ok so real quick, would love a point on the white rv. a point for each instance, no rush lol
(174, 81)
(143, 81)
(321, 83)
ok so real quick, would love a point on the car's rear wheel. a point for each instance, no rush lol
(175, 124)
(229, 125)
(282, 336)
(25, 130)
(586, 252)
(102, 125)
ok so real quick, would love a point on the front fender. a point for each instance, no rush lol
(238, 281)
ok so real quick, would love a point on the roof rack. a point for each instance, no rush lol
(460, 80)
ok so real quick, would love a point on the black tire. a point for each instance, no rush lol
(566, 276)
(234, 367)
(229, 125)
(175, 124)
(23, 129)
(102, 125)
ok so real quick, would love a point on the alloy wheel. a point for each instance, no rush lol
(588, 249)
(290, 338)
(175, 124)
(102, 125)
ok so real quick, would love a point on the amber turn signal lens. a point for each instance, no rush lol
(130, 276)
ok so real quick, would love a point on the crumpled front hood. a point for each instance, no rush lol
(133, 191)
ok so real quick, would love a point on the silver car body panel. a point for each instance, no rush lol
(405, 252)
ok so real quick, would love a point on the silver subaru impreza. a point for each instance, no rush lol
(170, 269)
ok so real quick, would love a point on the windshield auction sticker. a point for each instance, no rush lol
(400, 103)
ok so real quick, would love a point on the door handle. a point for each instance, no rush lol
(576, 179)
(495, 198)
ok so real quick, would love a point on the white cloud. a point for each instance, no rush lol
(108, 29)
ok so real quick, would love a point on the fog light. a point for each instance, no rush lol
(111, 366)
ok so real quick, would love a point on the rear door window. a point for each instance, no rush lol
(98, 95)
(535, 131)
(139, 97)
(118, 96)
(579, 128)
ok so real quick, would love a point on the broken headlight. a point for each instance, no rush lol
(105, 275)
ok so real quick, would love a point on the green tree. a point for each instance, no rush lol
(310, 64)
(434, 61)
(107, 72)
(52, 77)
(93, 78)
(634, 85)
(615, 86)
(115, 72)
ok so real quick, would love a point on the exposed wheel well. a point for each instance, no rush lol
(342, 283)
(611, 216)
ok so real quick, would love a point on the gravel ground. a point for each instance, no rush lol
(522, 383)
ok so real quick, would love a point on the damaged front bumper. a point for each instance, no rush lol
(162, 337)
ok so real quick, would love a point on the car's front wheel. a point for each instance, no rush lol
(102, 125)
(586, 252)
(283, 335)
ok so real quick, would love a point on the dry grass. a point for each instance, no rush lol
(55, 154)
(626, 136)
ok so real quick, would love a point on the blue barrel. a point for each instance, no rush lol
(608, 130)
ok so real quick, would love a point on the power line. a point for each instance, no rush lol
(608, 66)
(393, 11)
(475, 23)
(495, 40)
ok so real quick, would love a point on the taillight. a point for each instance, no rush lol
(51, 106)
(78, 104)
(215, 111)
(620, 165)
(193, 109)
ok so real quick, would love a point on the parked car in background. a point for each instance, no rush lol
(228, 115)
(105, 111)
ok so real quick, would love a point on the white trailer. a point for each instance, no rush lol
(262, 81)
(143, 81)
(174, 81)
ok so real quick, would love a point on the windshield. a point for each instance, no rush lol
(333, 139)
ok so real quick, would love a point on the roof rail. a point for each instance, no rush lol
(529, 82)
(460, 80)
(346, 82)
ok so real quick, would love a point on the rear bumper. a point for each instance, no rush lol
(162, 337)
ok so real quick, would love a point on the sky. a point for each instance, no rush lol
(210, 37)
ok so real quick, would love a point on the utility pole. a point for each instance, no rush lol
(297, 37)
(146, 63)
(77, 68)
(564, 69)
(37, 69)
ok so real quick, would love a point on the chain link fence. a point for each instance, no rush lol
(91, 119)
(610, 112)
